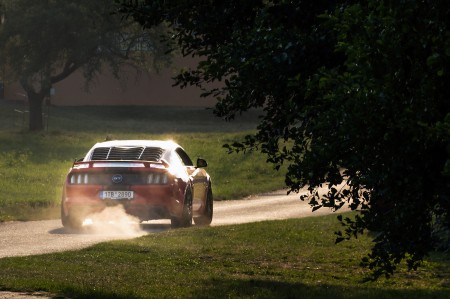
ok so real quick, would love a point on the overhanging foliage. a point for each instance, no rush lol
(354, 93)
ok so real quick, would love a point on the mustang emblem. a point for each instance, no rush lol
(117, 178)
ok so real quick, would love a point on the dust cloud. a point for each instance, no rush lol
(113, 221)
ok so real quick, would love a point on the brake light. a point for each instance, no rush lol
(153, 178)
(157, 179)
(79, 178)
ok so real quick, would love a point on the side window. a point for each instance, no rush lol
(184, 157)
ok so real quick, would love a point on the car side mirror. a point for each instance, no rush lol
(201, 163)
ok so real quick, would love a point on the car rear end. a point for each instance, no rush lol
(145, 189)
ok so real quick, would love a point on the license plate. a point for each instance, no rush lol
(116, 194)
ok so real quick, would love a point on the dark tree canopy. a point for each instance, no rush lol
(44, 41)
(354, 93)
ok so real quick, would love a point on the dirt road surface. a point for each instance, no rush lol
(39, 237)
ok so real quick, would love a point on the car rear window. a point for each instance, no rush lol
(127, 153)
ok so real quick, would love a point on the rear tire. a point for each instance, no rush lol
(70, 221)
(186, 217)
(206, 217)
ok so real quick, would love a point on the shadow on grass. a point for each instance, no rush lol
(272, 289)
(249, 288)
(97, 294)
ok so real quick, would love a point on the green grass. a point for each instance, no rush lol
(277, 259)
(33, 165)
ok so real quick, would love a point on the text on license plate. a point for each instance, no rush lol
(116, 194)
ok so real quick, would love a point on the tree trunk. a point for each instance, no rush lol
(35, 106)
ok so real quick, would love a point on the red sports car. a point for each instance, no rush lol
(151, 179)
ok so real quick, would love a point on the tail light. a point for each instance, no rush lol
(79, 179)
(157, 179)
(153, 178)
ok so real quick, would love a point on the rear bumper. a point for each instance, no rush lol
(149, 202)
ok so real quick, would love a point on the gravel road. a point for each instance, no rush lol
(38, 237)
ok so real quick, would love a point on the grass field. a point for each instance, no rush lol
(33, 165)
(276, 259)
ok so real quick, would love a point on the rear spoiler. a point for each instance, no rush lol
(119, 163)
